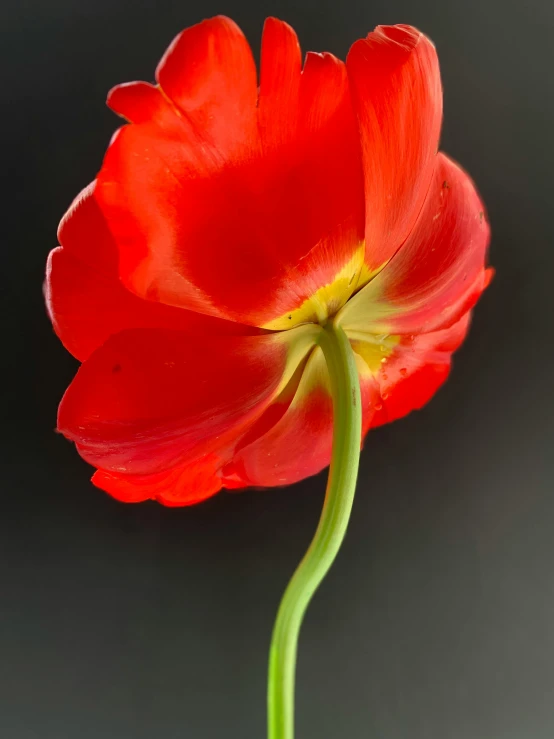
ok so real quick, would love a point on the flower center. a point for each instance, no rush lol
(329, 299)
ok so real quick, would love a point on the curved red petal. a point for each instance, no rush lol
(320, 231)
(87, 302)
(296, 441)
(413, 372)
(140, 102)
(280, 74)
(229, 219)
(321, 179)
(150, 399)
(396, 90)
(183, 485)
(209, 73)
(439, 272)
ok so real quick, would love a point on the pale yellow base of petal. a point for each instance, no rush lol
(330, 298)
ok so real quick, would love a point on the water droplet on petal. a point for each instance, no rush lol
(383, 359)
(378, 406)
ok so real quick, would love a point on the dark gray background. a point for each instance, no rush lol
(437, 622)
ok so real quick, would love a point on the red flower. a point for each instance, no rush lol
(228, 221)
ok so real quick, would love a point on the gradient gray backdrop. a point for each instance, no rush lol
(139, 622)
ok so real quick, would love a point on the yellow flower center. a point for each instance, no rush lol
(329, 299)
(370, 344)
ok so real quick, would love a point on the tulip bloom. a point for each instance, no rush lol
(231, 219)
(256, 262)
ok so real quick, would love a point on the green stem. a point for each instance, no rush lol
(345, 388)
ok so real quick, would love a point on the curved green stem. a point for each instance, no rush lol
(330, 532)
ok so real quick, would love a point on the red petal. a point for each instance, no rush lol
(298, 441)
(439, 272)
(148, 400)
(280, 74)
(209, 73)
(396, 90)
(320, 180)
(183, 485)
(87, 302)
(140, 102)
(228, 219)
(414, 371)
